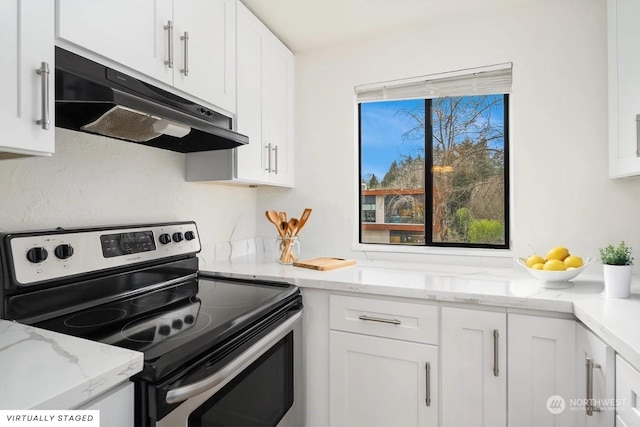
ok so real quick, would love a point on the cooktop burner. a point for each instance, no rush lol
(97, 317)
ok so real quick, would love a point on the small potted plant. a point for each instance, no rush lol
(617, 263)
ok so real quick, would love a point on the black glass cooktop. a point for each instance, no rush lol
(175, 324)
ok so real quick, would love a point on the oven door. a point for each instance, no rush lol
(261, 387)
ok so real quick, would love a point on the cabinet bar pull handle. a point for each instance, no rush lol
(44, 72)
(268, 147)
(185, 38)
(496, 338)
(275, 150)
(638, 135)
(379, 319)
(169, 29)
(589, 405)
(427, 368)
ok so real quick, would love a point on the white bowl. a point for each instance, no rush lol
(555, 276)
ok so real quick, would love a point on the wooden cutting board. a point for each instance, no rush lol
(324, 263)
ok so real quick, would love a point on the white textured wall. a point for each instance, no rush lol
(561, 194)
(92, 180)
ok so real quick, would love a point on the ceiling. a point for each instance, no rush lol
(305, 24)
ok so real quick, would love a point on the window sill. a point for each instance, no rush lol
(464, 256)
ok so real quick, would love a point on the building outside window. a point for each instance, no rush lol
(434, 170)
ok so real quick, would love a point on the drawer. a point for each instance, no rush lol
(390, 319)
(627, 393)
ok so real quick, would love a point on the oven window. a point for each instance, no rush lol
(260, 396)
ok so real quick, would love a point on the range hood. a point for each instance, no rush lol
(96, 99)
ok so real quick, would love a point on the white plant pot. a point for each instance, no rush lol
(617, 281)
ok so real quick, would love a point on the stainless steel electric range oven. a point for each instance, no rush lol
(217, 352)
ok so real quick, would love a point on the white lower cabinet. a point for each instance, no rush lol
(595, 388)
(541, 378)
(376, 379)
(627, 394)
(382, 382)
(474, 374)
(116, 406)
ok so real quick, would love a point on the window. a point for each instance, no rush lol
(434, 170)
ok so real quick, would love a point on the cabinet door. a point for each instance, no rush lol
(541, 371)
(278, 104)
(116, 406)
(474, 374)
(252, 160)
(600, 375)
(382, 382)
(627, 392)
(209, 54)
(131, 33)
(27, 42)
(624, 87)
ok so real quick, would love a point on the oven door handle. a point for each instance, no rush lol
(236, 366)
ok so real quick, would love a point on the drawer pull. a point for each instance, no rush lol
(496, 363)
(379, 319)
(589, 406)
(185, 39)
(427, 367)
(169, 29)
(44, 72)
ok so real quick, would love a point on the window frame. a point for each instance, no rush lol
(429, 245)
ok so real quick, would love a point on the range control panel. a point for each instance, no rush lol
(41, 256)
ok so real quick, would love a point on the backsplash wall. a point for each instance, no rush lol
(92, 180)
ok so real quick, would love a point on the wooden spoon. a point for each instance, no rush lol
(303, 219)
(293, 227)
(274, 218)
(283, 216)
(283, 228)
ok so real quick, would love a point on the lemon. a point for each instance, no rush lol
(534, 259)
(559, 253)
(538, 266)
(554, 265)
(573, 261)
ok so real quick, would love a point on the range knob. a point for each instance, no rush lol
(189, 319)
(63, 251)
(37, 255)
(189, 235)
(164, 238)
(177, 237)
(164, 330)
(176, 324)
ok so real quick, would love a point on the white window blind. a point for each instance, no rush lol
(494, 79)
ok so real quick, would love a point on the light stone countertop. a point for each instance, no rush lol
(40, 369)
(513, 288)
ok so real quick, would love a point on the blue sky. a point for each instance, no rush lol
(382, 130)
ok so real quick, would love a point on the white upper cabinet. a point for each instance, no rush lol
(205, 45)
(188, 45)
(27, 45)
(624, 87)
(265, 104)
(136, 38)
(265, 75)
(277, 130)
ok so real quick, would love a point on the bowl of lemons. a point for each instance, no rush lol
(559, 265)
